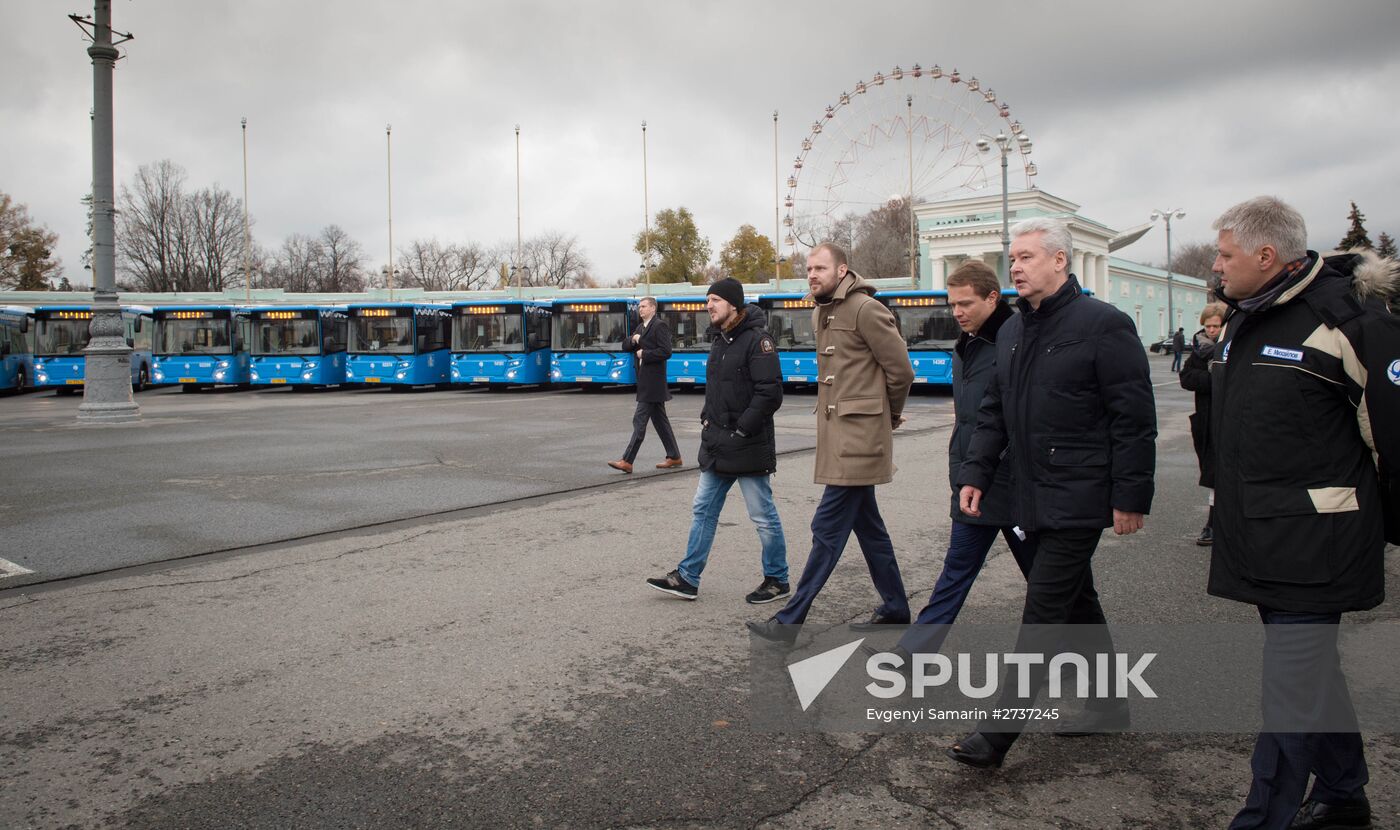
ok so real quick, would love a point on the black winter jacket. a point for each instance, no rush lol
(1195, 377)
(1305, 400)
(743, 388)
(655, 346)
(1072, 404)
(974, 364)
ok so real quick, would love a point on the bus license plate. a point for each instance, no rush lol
(685, 380)
(188, 380)
(583, 380)
(798, 379)
(371, 380)
(481, 380)
(279, 380)
(72, 382)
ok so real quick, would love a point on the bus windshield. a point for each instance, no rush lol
(928, 328)
(688, 330)
(204, 336)
(56, 338)
(393, 335)
(488, 333)
(792, 328)
(593, 331)
(285, 337)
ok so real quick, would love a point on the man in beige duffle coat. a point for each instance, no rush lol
(864, 375)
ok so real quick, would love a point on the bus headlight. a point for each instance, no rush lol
(254, 374)
(404, 364)
(349, 371)
(555, 373)
(514, 362)
(311, 364)
(219, 375)
(616, 373)
(42, 377)
(158, 375)
(401, 375)
(510, 373)
(223, 364)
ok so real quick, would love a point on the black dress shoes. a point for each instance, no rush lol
(976, 751)
(877, 620)
(1350, 815)
(774, 631)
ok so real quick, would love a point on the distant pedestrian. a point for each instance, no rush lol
(652, 344)
(1178, 348)
(1195, 377)
(864, 375)
(1305, 419)
(743, 388)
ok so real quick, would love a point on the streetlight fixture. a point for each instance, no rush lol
(247, 253)
(519, 280)
(1169, 215)
(646, 211)
(1004, 144)
(777, 274)
(913, 223)
(389, 167)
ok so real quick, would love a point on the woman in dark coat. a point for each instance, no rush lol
(1195, 376)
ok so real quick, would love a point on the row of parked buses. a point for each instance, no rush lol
(498, 342)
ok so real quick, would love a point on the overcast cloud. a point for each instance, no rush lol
(1132, 106)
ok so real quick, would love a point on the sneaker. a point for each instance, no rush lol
(770, 590)
(673, 584)
(1206, 539)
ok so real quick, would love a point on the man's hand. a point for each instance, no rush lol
(899, 421)
(1125, 523)
(970, 500)
(636, 337)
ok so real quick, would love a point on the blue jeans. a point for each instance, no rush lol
(844, 510)
(967, 552)
(709, 501)
(1283, 761)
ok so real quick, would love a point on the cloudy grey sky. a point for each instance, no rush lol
(1132, 106)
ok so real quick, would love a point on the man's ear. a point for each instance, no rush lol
(1268, 258)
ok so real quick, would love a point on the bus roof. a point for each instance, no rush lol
(199, 308)
(302, 307)
(592, 300)
(399, 305)
(506, 301)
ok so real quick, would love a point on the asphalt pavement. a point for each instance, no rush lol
(504, 665)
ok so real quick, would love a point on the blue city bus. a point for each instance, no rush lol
(588, 341)
(926, 322)
(690, 349)
(790, 324)
(501, 342)
(399, 344)
(199, 347)
(298, 346)
(16, 349)
(61, 336)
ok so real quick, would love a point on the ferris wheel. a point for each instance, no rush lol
(920, 134)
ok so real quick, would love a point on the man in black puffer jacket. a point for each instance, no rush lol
(743, 388)
(1305, 419)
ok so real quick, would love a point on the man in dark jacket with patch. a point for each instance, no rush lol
(974, 292)
(1072, 410)
(652, 344)
(743, 388)
(1305, 413)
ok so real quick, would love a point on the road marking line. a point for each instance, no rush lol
(9, 569)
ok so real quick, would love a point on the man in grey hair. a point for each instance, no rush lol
(1070, 408)
(1305, 433)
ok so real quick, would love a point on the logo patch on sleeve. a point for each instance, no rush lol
(1394, 372)
(766, 345)
(1283, 354)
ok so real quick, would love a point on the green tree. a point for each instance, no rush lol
(748, 257)
(27, 260)
(677, 251)
(1385, 246)
(1356, 235)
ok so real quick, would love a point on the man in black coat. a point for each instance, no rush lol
(652, 343)
(1195, 377)
(1305, 419)
(1072, 411)
(1178, 348)
(743, 388)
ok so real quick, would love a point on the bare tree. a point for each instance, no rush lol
(556, 258)
(427, 264)
(216, 227)
(882, 242)
(149, 225)
(296, 267)
(475, 266)
(342, 261)
(1194, 259)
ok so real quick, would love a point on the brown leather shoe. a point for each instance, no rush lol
(669, 463)
(620, 465)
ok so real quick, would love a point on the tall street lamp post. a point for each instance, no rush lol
(1169, 215)
(389, 169)
(1004, 144)
(247, 252)
(646, 211)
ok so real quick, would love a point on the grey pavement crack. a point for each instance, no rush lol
(819, 786)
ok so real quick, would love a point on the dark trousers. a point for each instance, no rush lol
(1176, 361)
(844, 510)
(1283, 761)
(968, 546)
(656, 414)
(1059, 591)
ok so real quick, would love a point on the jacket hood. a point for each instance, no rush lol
(1371, 276)
(850, 283)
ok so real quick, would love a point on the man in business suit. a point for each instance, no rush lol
(652, 343)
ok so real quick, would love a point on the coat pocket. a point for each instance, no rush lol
(1288, 540)
(860, 425)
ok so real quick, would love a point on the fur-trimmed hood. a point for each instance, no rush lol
(1371, 276)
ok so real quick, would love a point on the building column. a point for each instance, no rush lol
(938, 273)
